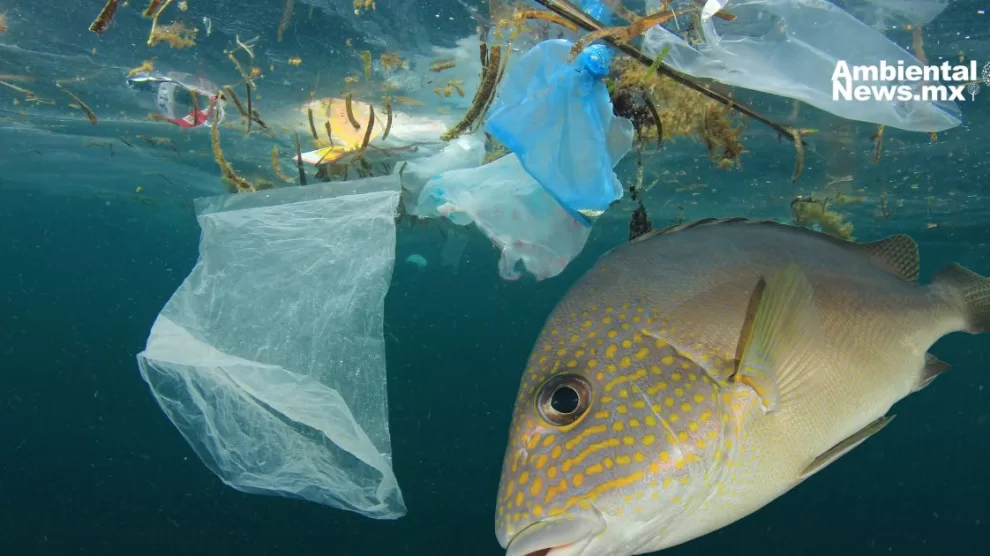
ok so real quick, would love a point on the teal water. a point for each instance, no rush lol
(90, 465)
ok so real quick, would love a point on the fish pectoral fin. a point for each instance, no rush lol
(777, 358)
(933, 368)
(844, 447)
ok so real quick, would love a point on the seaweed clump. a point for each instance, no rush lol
(815, 211)
(176, 34)
(680, 112)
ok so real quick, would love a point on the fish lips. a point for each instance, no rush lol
(557, 536)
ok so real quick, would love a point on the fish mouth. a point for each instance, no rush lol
(558, 536)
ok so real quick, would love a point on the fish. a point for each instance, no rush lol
(700, 371)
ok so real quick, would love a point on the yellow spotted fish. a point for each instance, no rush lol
(701, 371)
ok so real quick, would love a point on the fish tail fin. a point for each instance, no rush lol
(972, 291)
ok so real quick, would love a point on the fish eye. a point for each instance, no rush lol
(564, 399)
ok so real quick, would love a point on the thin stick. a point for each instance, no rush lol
(89, 112)
(299, 164)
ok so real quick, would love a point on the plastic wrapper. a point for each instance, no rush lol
(174, 97)
(790, 48)
(556, 116)
(270, 357)
(410, 136)
(524, 222)
(467, 151)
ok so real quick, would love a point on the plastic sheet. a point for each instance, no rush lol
(467, 151)
(790, 48)
(556, 116)
(270, 357)
(523, 221)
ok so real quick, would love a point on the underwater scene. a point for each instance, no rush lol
(494, 277)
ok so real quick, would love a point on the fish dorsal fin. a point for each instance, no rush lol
(933, 368)
(845, 446)
(897, 254)
(698, 223)
(777, 358)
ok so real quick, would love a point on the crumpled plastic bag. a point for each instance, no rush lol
(556, 116)
(467, 151)
(790, 48)
(523, 221)
(270, 357)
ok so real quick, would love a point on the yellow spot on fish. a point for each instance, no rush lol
(537, 487)
(537, 510)
(667, 360)
(533, 441)
(603, 414)
(541, 461)
(611, 350)
(625, 362)
(552, 472)
(622, 409)
(649, 439)
(611, 334)
(561, 352)
(618, 426)
(592, 363)
(676, 377)
(642, 353)
(627, 344)
(628, 440)
(519, 498)
(524, 478)
(593, 469)
(578, 479)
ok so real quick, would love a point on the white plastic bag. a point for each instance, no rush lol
(790, 48)
(520, 217)
(270, 357)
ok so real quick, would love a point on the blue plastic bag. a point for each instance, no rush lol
(598, 10)
(556, 116)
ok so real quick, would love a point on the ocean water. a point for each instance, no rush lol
(94, 240)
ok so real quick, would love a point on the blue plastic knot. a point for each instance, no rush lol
(596, 59)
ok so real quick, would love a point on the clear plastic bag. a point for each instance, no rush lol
(556, 116)
(467, 151)
(270, 357)
(523, 221)
(885, 14)
(790, 48)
